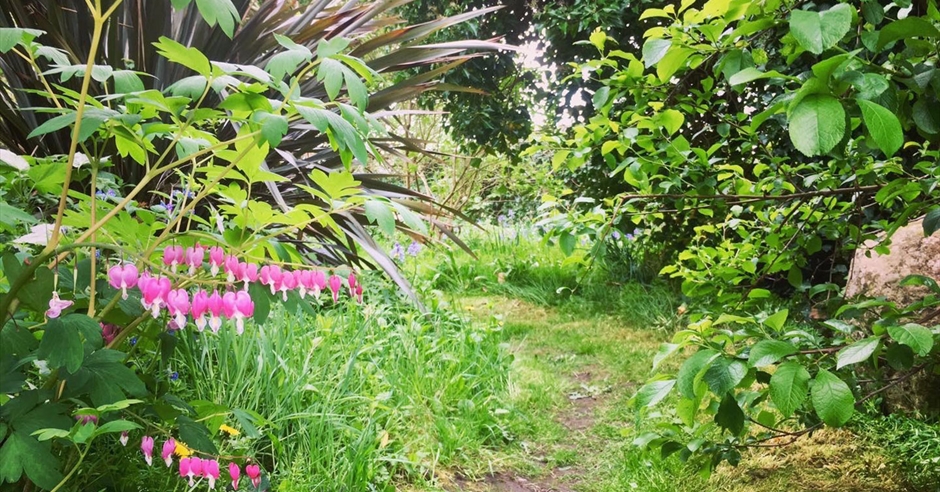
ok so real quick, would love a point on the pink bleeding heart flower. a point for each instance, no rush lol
(352, 283)
(194, 257)
(56, 306)
(249, 273)
(123, 277)
(124, 438)
(186, 470)
(199, 308)
(358, 293)
(211, 471)
(178, 305)
(231, 268)
(197, 466)
(216, 259)
(216, 309)
(304, 281)
(173, 256)
(108, 332)
(146, 447)
(154, 292)
(87, 419)
(319, 282)
(167, 454)
(235, 472)
(254, 473)
(288, 282)
(238, 306)
(336, 284)
(271, 275)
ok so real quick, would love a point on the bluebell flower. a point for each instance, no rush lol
(615, 235)
(501, 219)
(398, 252)
(414, 248)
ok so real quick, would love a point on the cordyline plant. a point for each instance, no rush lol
(182, 192)
(244, 36)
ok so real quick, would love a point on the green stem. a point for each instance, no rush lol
(81, 458)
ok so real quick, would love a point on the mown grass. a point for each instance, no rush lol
(582, 346)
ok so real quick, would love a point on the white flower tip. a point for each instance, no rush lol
(80, 160)
(13, 160)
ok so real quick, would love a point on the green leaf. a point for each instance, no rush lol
(932, 222)
(832, 399)
(653, 392)
(89, 329)
(105, 378)
(918, 338)
(750, 74)
(729, 416)
(766, 352)
(116, 426)
(654, 50)
(777, 320)
(222, 12)
(12, 36)
(188, 57)
(819, 31)
(690, 370)
(671, 120)
(287, 61)
(788, 387)
(817, 124)
(926, 116)
(195, 435)
(857, 352)
(883, 126)
(380, 213)
(908, 27)
(22, 453)
(724, 374)
(54, 124)
(273, 127)
(672, 61)
(567, 243)
(61, 346)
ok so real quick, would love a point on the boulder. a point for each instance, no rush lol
(877, 275)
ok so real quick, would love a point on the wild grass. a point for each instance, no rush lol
(359, 398)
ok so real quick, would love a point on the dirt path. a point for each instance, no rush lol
(573, 376)
(569, 373)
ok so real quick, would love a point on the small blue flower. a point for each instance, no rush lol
(511, 214)
(174, 376)
(414, 248)
(615, 235)
(501, 219)
(133, 341)
(398, 252)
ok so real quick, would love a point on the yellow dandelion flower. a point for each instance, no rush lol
(229, 430)
(181, 450)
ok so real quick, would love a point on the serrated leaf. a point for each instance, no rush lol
(222, 12)
(61, 346)
(883, 125)
(21, 453)
(766, 352)
(819, 31)
(188, 57)
(690, 370)
(653, 392)
(857, 352)
(730, 416)
(817, 124)
(832, 399)
(381, 214)
(654, 50)
(918, 338)
(788, 387)
(777, 320)
(724, 374)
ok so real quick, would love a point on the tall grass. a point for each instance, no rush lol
(357, 398)
(515, 262)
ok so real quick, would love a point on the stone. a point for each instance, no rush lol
(876, 275)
